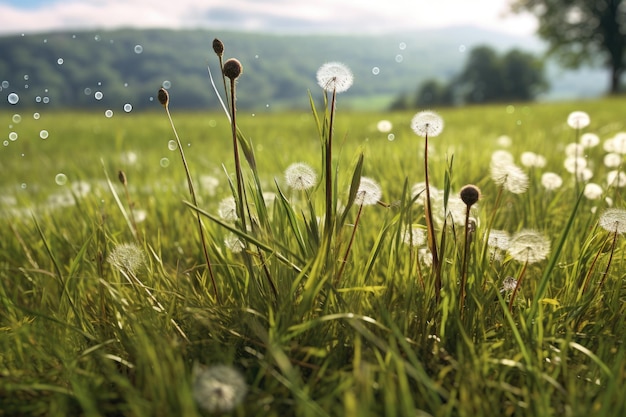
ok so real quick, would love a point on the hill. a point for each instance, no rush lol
(108, 69)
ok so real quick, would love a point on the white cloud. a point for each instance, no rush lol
(276, 15)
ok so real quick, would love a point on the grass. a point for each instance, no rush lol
(82, 333)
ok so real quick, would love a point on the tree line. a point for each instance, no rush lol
(487, 77)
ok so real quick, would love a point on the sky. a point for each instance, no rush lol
(290, 16)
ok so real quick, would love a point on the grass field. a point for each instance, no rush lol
(107, 306)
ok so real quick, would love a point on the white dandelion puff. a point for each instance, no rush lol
(334, 76)
(427, 123)
(127, 258)
(529, 246)
(218, 388)
(227, 209)
(369, 192)
(592, 191)
(613, 220)
(551, 181)
(300, 176)
(578, 120)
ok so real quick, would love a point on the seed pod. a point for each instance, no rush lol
(164, 97)
(470, 194)
(232, 69)
(122, 176)
(218, 47)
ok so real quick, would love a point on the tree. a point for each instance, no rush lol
(433, 93)
(578, 31)
(522, 76)
(481, 79)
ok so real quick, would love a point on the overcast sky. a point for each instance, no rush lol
(304, 16)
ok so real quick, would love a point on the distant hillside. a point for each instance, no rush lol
(128, 66)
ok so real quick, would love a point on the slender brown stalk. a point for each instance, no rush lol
(430, 227)
(164, 100)
(517, 286)
(329, 168)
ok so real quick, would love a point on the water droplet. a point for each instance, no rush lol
(462, 48)
(391, 137)
(60, 179)
(23, 186)
(73, 36)
(128, 107)
(171, 145)
(402, 46)
(510, 109)
(267, 106)
(45, 90)
(99, 83)
(87, 91)
(167, 84)
(108, 113)
(43, 134)
(138, 49)
(5, 84)
(16, 118)
(26, 86)
(5, 143)
(36, 116)
(125, 85)
(375, 70)
(38, 99)
(256, 57)
(13, 98)
(97, 38)
(98, 95)
(26, 77)
(60, 61)
(46, 100)
(165, 162)
(212, 123)
(13, 136)
(399, 58)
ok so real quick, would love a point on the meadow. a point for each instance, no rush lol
(108, 307)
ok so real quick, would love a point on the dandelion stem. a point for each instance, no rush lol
(194, 199)
(329, 168)
(592, 267)
(608, 264)
(464, 265)
(233, 123)
(517, 286)
(432, 241)
(345, 257)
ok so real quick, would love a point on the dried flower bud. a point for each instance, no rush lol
(164, 97)
(232, 69)
(122, 176)
(218, 47)
(470, 195)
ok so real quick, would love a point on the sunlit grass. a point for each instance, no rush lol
(82, 335)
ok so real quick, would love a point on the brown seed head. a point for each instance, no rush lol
(218, 47)
(470, 194)
(122, 176)
(232, 69)
(164, 97)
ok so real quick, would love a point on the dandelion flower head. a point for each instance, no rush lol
(510, 177)
(427, 123)
(578, 120)
(616, 178)
(589, 140)
(218, 388)
(384, 126)
(127, 257)
(414, 236)
(613, 220)
(227, 209)
(592, 191)
(551, 181)
(334, 76)
(531, 159)
(529, 246)
(369, 192)
(300, 176)
(508, 284)
(499, 239)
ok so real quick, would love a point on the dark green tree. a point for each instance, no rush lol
(581, 31)
(522, 76)
(434, 93)
(481, 80)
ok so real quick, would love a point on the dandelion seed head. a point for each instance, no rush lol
(502, 157)
(574, 150)
(414, 236)
(127, 258)
(504, 141)
(499, 239)
(384, 126)
(612, 160)
(619, 143)
(616, 179)
(369, 192)
(551, 181)
(419, 190)
(584, 174)
(578, 120)
(227, 209)
(508, 285)
(613, 220)
(334, 76)
(510, 177)
(574, 164)
(427, 123)
(589, 140)
(592, 191)
(233, 243)
(529, 246)
(218, 388)
(531, 159)
(300, 176)
(425, 257)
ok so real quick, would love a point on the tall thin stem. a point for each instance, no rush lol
(517, 285)
(329, 168)
(432, 241)
(165, 102)
(233, 123)
(465, 258)
(345, 257)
